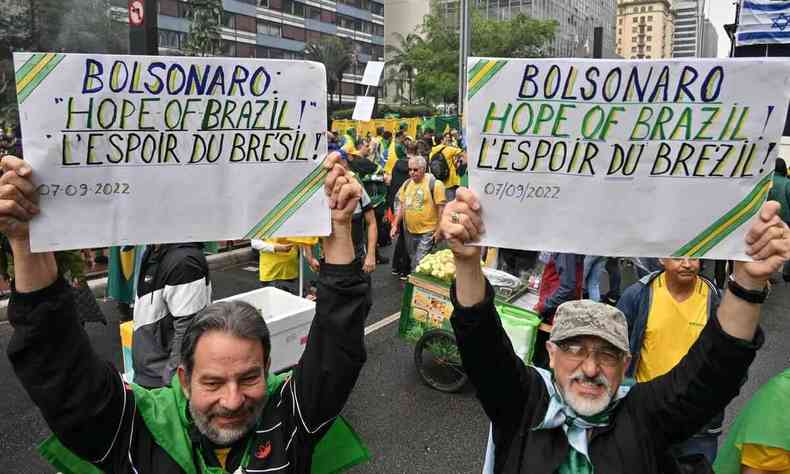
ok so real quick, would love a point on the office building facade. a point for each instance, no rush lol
(281, 29)
(688, 23)
(644, 29)
(576, 21)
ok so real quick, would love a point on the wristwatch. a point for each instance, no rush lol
(751, 296)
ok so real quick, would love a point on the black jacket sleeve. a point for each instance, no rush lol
(81, 397)
(335, 352)
(505, 386)
(682, 401)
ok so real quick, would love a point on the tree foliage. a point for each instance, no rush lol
(204, 38)
(335, 54)
(431, 58)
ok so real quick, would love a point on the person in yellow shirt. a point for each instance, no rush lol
(279, 262)
(454, 158)
(420, 203)
(759, 439)
(666, 312)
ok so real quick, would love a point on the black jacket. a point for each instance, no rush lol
(652, 416)
(93, 413)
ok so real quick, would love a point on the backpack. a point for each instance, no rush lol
(438, 166)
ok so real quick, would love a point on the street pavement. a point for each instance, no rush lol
(408, 427)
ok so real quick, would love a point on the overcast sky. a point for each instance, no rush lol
(720, 13)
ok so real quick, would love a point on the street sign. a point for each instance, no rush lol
(136, 12)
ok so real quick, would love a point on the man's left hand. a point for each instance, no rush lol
(768, 243)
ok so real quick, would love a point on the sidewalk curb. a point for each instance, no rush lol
(215, 262)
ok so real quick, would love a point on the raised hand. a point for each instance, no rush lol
(18, 198)
(342, 190)
(461, 224)
(768, 243)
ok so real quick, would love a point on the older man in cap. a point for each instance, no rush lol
(579, 417)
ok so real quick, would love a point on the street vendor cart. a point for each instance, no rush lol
(425, 320)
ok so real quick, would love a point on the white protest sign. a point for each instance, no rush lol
(144, 149)
(624, 158)
(363, 109)
(372, 73)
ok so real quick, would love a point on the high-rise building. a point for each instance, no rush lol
(710, 40)
(688, 26)
(576, 21)
(644, 29)
(404, 17)
(282, 28)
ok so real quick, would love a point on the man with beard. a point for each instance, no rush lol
(578, 417)
(224, 411)
(666, 311)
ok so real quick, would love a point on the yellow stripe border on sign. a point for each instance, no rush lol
(24, 81)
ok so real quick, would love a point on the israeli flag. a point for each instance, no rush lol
(763, 22)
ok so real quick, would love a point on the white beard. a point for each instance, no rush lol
(587, 406)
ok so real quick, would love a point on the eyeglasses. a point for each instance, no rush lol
(579, 353)
(415, 169)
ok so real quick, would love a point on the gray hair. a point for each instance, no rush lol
(236, 318)
(420, 161)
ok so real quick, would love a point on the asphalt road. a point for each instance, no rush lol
(408, 427)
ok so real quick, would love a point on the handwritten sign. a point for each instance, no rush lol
(624, 158)
(138, 149)
(363, 109)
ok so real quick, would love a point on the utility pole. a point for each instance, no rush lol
(463, 53)
(143, 27)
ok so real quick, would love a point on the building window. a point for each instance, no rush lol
(328, 17)
(294, 33)
(620, 21)
(649, 28)
(378, 30)
(314, 13)
(269, 29)
(293, 8)
(228, 20)
(228, 48)
(168, 7)
(633, 30)
(650, 38)
(633, 49)
(650, 8)
(649, 17)
(263, 3)
(643, 9)
(633, 39)
(245, 23)
(377, 8)
(648, 47)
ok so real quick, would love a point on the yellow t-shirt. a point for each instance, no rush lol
(766, 458)
(275, 266)
(419, 210)
(449, 153)
(672, 328)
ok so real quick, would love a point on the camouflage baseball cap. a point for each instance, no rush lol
(588, 318)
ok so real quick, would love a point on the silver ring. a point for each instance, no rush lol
(455, 218)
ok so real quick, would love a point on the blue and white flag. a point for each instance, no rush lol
(763, 22)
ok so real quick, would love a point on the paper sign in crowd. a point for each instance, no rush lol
(624, 158)
(139, 149)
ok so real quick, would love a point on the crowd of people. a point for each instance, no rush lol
(628, 380)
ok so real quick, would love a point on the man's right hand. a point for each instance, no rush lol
(18, 199)
(461, 223)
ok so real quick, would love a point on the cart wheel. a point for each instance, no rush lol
(438, 361)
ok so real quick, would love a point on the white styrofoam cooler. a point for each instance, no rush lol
(289, 318)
